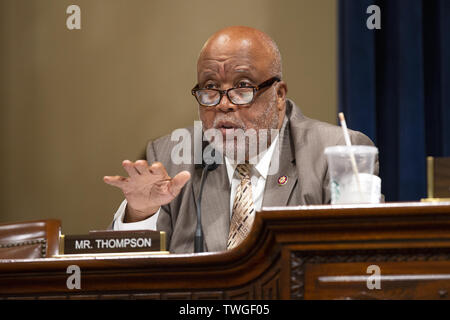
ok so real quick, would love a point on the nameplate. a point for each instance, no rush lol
(113, 242)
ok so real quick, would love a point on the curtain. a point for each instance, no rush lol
(394, 86)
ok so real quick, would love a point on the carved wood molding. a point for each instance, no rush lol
(300, 258)
(265, 287)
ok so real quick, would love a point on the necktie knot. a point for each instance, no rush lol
(243, 171)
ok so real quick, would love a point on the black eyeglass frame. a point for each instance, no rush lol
(264, 84)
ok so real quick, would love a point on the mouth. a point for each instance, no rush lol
(227, 127)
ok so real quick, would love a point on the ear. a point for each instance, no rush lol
(281, 90)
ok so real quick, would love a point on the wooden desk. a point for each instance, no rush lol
(310, 252)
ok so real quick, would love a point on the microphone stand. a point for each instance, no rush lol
(198, 241)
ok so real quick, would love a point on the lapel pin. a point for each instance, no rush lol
(282, 180)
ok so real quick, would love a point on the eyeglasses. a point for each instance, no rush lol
(238, 96)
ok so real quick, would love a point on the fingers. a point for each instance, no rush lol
(142, 167)
(116, 181)
(130, 168)
(178, 182)
(156, 173)
(158, 169)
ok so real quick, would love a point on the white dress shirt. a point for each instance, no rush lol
(258, 179)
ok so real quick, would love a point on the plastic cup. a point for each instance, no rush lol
(345, 187)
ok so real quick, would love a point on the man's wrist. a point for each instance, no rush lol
(132, 215)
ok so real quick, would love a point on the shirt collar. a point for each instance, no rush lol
(261, 168)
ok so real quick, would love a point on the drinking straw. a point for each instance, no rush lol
(352, 156)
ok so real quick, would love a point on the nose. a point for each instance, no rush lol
(225, 105)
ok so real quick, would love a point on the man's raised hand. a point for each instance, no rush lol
(147, 188)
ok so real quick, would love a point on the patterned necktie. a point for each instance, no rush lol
(243, 212)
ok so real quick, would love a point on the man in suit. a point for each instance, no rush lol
(239, 88)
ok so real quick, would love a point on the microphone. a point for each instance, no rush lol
(208, 164)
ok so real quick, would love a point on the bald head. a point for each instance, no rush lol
(240, 40)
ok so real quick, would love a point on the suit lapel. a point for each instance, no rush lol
(215, 207)
(277, 191)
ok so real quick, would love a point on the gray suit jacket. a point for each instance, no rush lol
(302, 144)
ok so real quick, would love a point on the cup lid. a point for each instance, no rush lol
(355, 149)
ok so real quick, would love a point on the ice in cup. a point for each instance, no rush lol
(353, 182)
